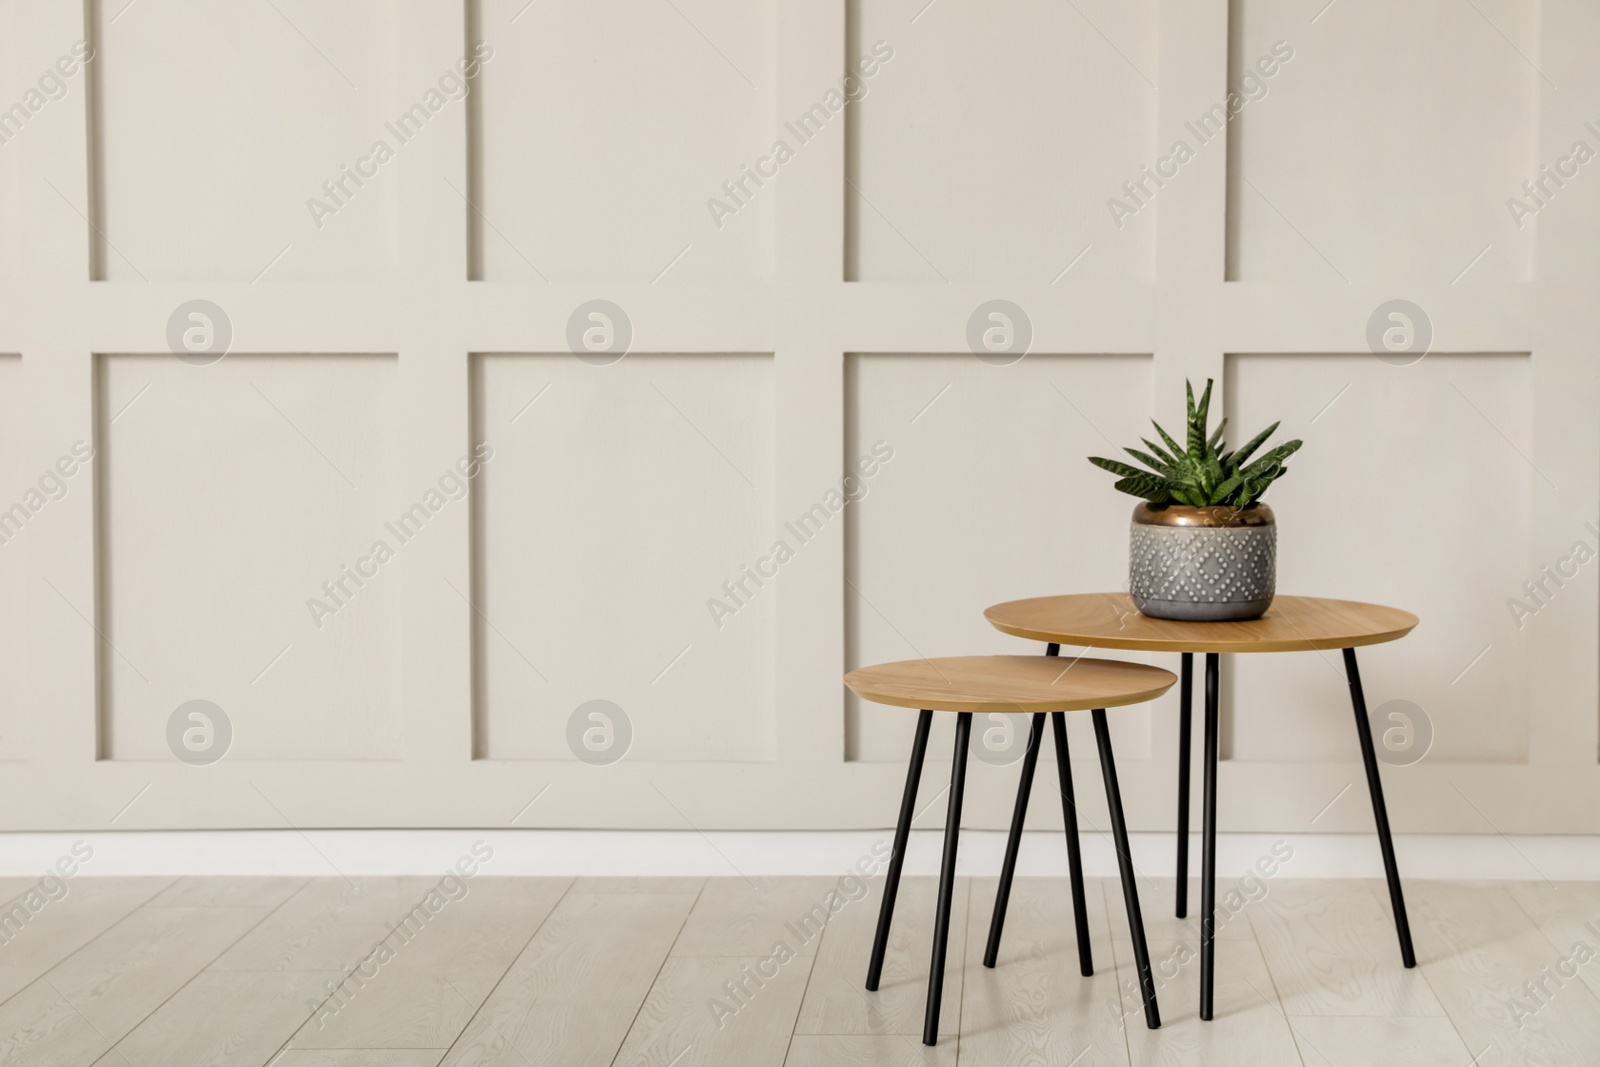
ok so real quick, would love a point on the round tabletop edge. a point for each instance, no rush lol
(1405, 622)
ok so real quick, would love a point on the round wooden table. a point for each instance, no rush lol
(1018, 685)
(1292, 624)
(1008, 684)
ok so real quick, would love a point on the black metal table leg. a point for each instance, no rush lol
(1185, 702)
(1069, 820)
(1130, 889)
(947, 878)
(1380, 812)
(1069, 817)
(1074, 855)
(897, 859)
(1019, 814)
(1208, 846)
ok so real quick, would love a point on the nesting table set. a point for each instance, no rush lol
(1038, 686)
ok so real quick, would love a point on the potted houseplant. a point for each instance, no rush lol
(1203, 547)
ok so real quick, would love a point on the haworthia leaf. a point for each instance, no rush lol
(1116, 466)
(1196, 424)
(1216, 437)
(1158, 450)
(1199, 423)
(1177, 449)
(1268, 463)
(1149, 460)
(1148, 486)
(1254, 443)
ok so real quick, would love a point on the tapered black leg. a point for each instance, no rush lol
(897, 859)
(1380, 812)
(1208, 844)
(1019, 814)
(1185, 701)
(1069, 816)
(1130, 889)
(947, 879)
(1074, 855)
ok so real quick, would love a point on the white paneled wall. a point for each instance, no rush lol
(614, 193)
(235, 501)
(21, 473)
(403, 537)
(618, 501)
(1385, 149)
(999, 104)
(214, 124)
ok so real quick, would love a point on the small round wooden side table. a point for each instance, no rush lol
(1019, 685)
(1292, 624)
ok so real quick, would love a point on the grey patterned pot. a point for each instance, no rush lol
(1213, 564)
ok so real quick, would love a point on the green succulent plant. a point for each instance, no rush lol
(1199, 475)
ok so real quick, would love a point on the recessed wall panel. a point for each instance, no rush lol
(621, 503)
(607, 131)
(14, 81)
(212, 165)
(1389, 147)
(43, 85)
(953, 172)
(988, 497)
(241, 510)
(27, 493)
(1415, 489)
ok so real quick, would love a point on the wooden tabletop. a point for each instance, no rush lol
(1009, 683)
(1109, 620)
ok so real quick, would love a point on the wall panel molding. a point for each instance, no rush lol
(772, 356)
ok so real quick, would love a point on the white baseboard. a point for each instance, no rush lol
(355, 853)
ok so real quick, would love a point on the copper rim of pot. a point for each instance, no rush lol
(1215, 516)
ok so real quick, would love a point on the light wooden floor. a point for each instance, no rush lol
(525, 972)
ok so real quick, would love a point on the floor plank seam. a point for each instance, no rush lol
(207, 967)
(1272, 980)
(1107, 902)
(651, 988)
(1422, 968)
(107, 929)
(490, 995)
(800, 1004)
(966, 952)
(284, 1047)
(279, 1051)
(1423, 965)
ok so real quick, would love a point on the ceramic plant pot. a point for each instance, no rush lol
(1213, 564)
